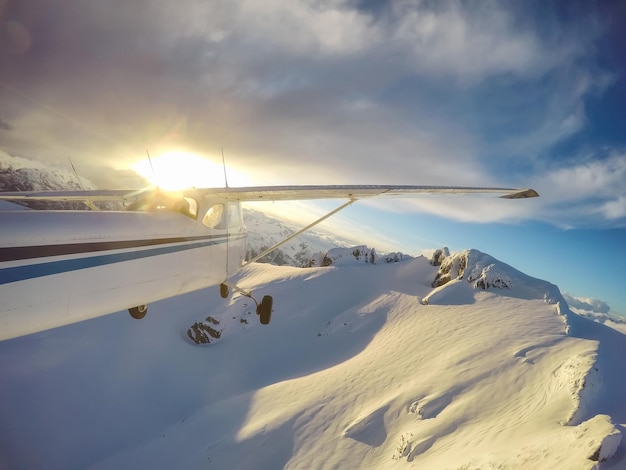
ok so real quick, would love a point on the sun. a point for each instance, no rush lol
(179, 170)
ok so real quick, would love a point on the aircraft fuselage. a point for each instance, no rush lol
(60, 267)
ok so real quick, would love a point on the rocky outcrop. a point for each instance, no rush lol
(439, 255)
(204, 332)
(356, 255)
(483, 272)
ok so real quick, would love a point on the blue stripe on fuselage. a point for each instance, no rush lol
(31, 271)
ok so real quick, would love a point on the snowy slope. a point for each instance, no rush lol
(265, 231)
(22, 174)
(355, 371)
(312, 248)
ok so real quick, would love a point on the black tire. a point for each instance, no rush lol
(224, 291)
(265, 309)
(138, 312)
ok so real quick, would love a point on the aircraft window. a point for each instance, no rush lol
(213, 217)
(234, 215)
(166, 202)
(192, 208)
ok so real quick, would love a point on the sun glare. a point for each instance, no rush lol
(180, 170)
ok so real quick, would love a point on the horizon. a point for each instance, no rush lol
(349, 92)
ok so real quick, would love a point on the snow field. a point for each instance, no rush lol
(353, 372)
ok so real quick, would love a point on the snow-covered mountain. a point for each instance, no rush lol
(265, 231)
(355, 255)
(471, 269)
(355, 371)
(22, 174)
(312, 248)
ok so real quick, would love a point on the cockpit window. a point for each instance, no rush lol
(192, 207)
(163, 201)
(223, 215)
(214, 216)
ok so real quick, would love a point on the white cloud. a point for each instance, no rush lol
(474, 209)
(307, 27)
(616, 208)
(593, 178)
(469, 43)
(555, 113)
(589, 193)
(298, 92)
(588, 304)
(596, 310)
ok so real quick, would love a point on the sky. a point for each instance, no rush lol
(476, 93)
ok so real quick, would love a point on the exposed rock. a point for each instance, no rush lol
(439, 255)
(480, 274)
(318, 260)
(395, 257)
(484, 272)
(450, 267)
(203, 332)
(356, 255)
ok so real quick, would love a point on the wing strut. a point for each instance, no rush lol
(264, 308)
(299, 232)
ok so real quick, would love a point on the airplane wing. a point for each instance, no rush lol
(277, 193)
(286, 193)
(122, 195)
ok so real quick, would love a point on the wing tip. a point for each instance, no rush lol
(521, 194)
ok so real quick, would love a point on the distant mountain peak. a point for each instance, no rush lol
(481, 271)
(23, 174)
(356, 255)
(312, 248)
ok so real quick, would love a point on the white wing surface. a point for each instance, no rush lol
(78, 195)
(277, 193)
(286, 193)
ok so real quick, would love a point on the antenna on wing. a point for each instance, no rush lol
(227, 216)
(80, 185)
(150, 161)
(224, 166)
(87, 202)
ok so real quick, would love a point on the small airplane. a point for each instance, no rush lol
(63, 266)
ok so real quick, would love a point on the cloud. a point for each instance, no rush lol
(475, 209)
(596, 310)
(587, 304)
(307, 28)
(592, 190)
(5, 126)
(615, 209)
(315, 92)
(454, 40)
(593, 177)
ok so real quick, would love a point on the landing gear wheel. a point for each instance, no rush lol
(224, 291)
(264, 309)
(138, 312)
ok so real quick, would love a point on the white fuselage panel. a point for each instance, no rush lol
(59, 267)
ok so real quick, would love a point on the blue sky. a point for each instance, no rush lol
(523, 94)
